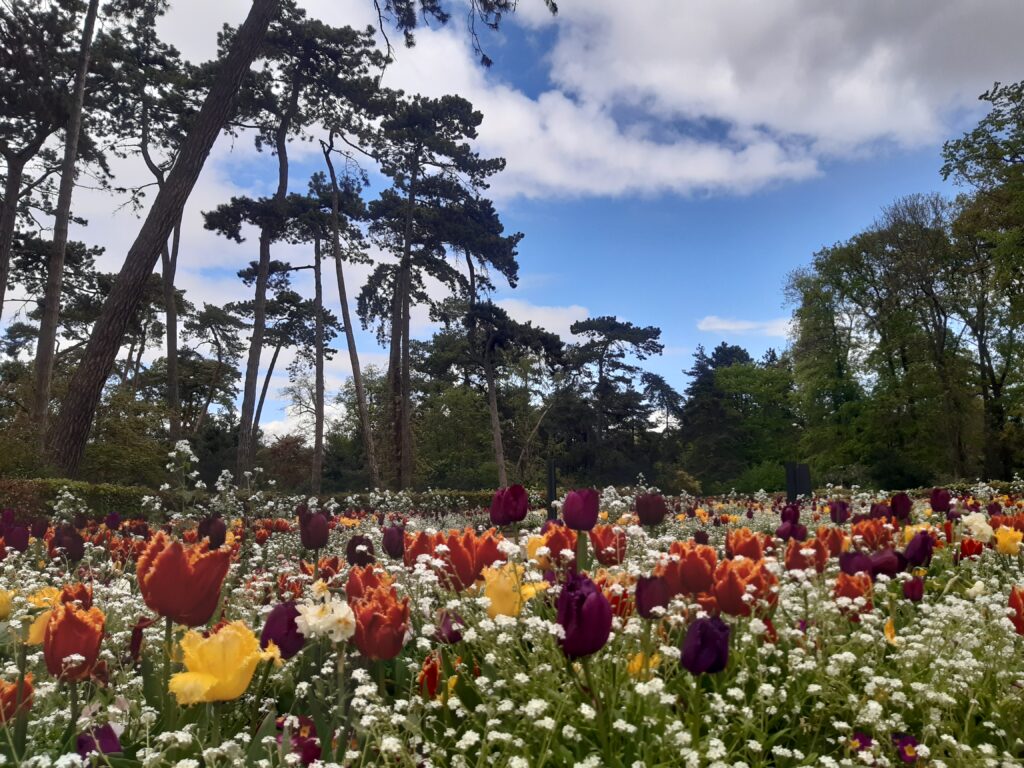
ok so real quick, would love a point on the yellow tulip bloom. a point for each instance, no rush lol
(640, 666)
(44, 598)
(505, 588)
(219, 667)
(1008, 540)
(5, 603)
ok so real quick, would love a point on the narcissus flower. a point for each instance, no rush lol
(609, 544)
(219, 667)
(1008, 541)
(73, 631)
(586, 616)
(9, 706)
(509, 505)
(332, 618)
(580, 508)
(706, 646)
(182, 583)
(381, 622)
(651, 509)
(507, 590)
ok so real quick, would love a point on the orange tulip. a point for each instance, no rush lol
(834, 539)
(458, 554)
(381, 622)
(71, 631)
(876, 532)
(182, 583)
(486, 551)
(327, 567)
(616, 589)
(9, 707)
(609, 544)
(690, 568)
(732, 579)
(1017, 604)
(429, 678)
(362, 579)
(797, 561)
(744, 542)
(854, 587)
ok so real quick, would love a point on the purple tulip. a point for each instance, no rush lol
(449, 628)
(313, 530)
(852, 563)
(880, 510)
(839, 511)
(940, 499)
(359, 551)
(788, 531)
(585, 615)
(994, 508)
(69, 541)
(213, 528)
(750, 514)
(791, 514)
(701, 536)
(901, 505)
(706, 646)
(393, 541)
(102, 740)
(887, 562)
(651, 592)
(913, 589)
(16, 536)
(509, 505)
(651, 508)
(39, 527)
(580, 509)
(281, 629)
(919, 550)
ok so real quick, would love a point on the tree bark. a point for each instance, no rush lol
(346, 320)
(170, 266)
(47, 344)
(75, 419)
(9, 219)
(265, 389)
(246, 426)
(492, 402)
(398, 374)
(318, 396)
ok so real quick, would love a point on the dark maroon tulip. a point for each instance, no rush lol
(701, 536)
(16, 536)
(880, 510)
(112, 521)
(651, 508)
(213, 528)
(913, 589)
(887, 562)
(900, 504)
(919, 550)
(750, 514)
(509, 505)
(791, 514)
(69, 542)
(852, 563)
(706, 646)
(281, 629)
(691, 511)
(449, 628)
(102, 740)
(39, 527)
(135, 644)
(940, 499)
(788, 531)
(359, 551)
(393, 541)
(651, 592)
(994, 508)
(839, 511)
(585, 615)
(580, 509)
(80, 521)
(313, 530)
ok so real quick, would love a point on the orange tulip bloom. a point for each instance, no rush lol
(381, 622)
(732, 579)
(743, 541)
(876, 532)
(616, 589)
(77, 593)
(182, 583)
(429, 678)
(835, 539)
(609, 544)
(797, 561)
(72, 631)
(971, 548)
(362, 580)
(486, 551)
(9, 698)
(1017, 604)
(689, 569)
(854, 587)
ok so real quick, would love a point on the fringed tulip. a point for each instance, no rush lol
(219, 667)
(10, 697)
(73, 631)
(381, 623)
(182, 583)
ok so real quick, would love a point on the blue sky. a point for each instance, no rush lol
(669, 162)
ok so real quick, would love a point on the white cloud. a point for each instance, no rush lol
(779, 327)
(554, 319)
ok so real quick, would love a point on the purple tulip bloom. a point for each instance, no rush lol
(706, 646)
(509, 505)
(791, 514)
(788, 531)
(313, 530)
(393, 541)
(887, 562)
(359, 551)
(213, 528)
(112, 521)
(839, 511)
(901, 506)
(651, 592)
(701, 537)
(994, 508)
(39, 527)
(585, 615)
(69, 541)
(16, 536)
(580, 509)
(651, 508)
(880, 510)
(102, 740)
(852, 563)
(449, 628)
(919, 550)
(913, 589)
(281, 629)
(940, 500)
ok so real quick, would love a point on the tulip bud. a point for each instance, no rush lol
(313, 530)
(706, 646)
(580, 509)
(359, 551)
(839, 511)
(913, 590)
(919, 550)
(586, 616)
(852, 563)
(393, 541)
(887, 562)
(509, 505)
(651, 592)
(651, 508)
(281, 629)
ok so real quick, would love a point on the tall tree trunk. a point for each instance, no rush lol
(170, 265)
(346, 319)
(246, 425)
(399, 373)
(318, 396)
(75, 418)
(492, 402)
(47, 344)
(406, 478)
(9, 219)
(263, 392)
(395, 375)
(214, 383)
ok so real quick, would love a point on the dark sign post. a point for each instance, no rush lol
(798, 480)
(552, 489)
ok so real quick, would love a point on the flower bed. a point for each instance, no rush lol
(633, 632)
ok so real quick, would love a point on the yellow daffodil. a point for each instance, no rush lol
(641, 666)
(1008, 540)
(219, 667)
(5, 603)
(507, 591)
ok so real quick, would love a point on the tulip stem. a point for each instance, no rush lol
(21, 715)
(73, 695)
(581, 551)
(168, 639)
(341, 714)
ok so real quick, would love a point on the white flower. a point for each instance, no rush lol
(977, 524)
(333, 619)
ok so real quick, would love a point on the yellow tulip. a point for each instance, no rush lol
(1008, 540)
(639, 665)
(5, 603)
(505, 588)
(219, 667)
(890, 632)
(44, 598)
(912, 530)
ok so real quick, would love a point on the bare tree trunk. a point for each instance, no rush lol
(263, 395)
(399, 373)
(47, 344)
(246, 425)
(170, 265)
(8, 220)
(75, 418)
(492, 402)
(346, 319)
(406, 468)
(395, 376)
(214, 382)
(318, 398)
